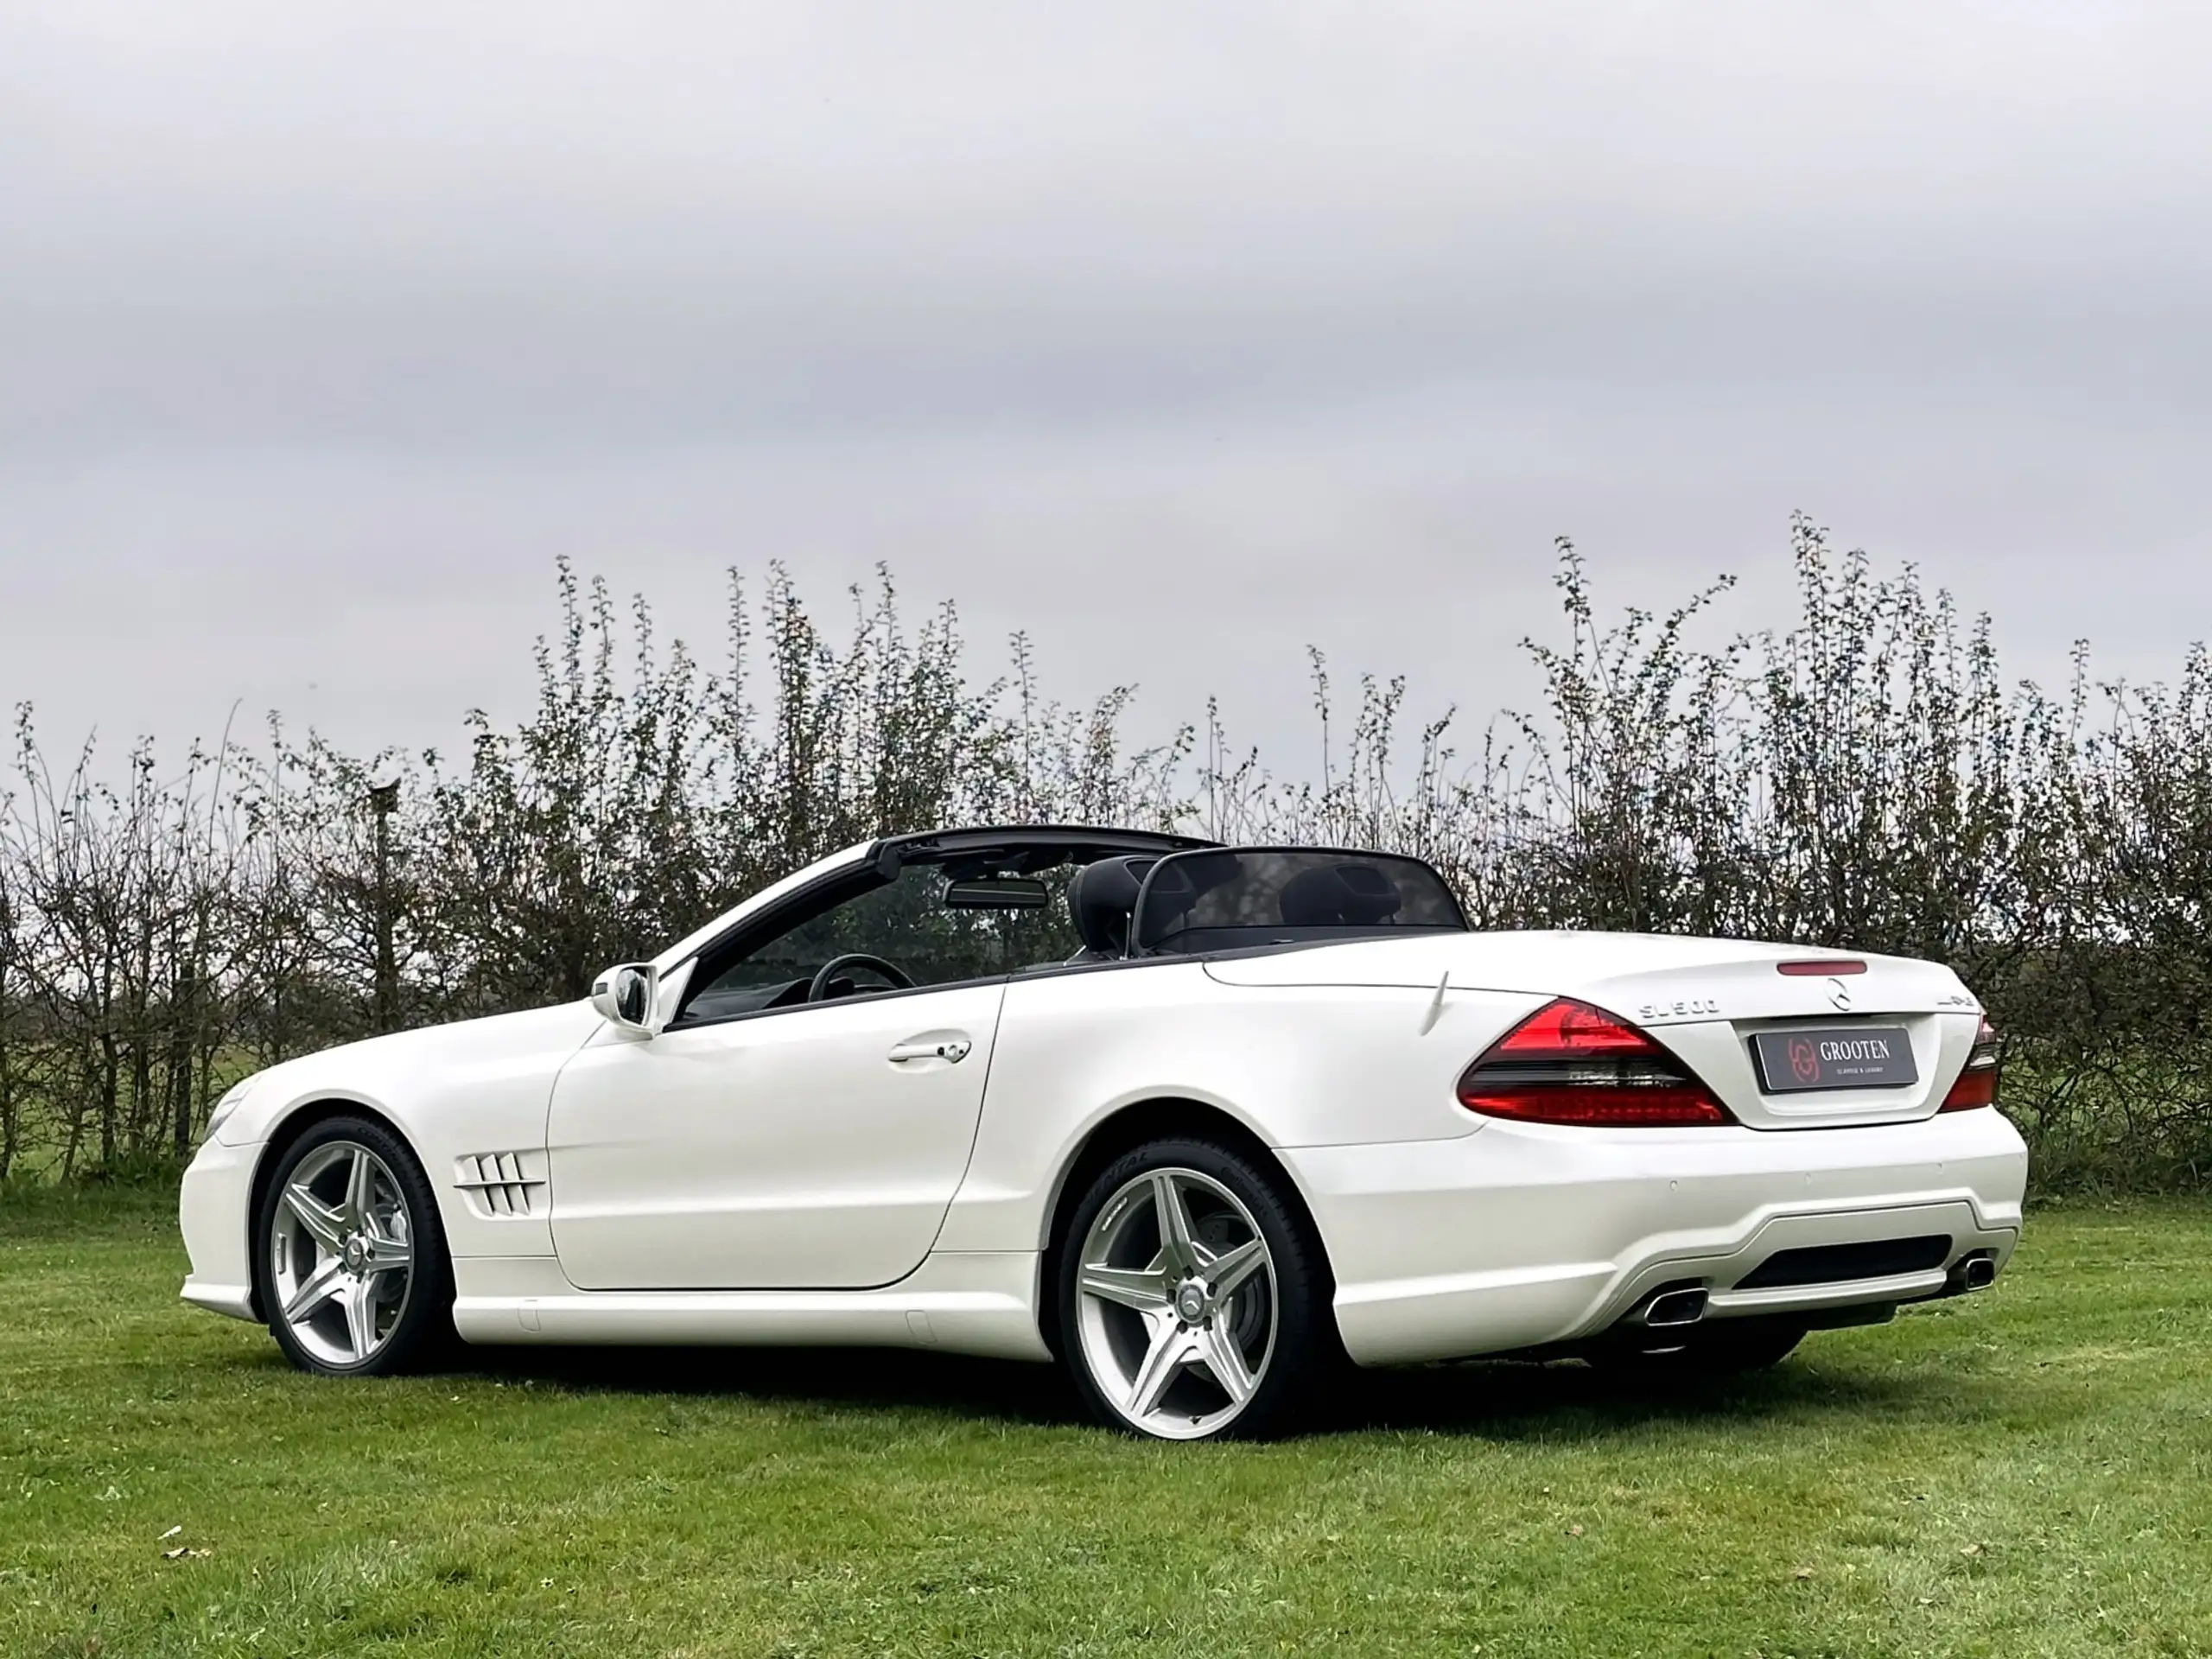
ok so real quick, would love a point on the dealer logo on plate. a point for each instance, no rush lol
(1804, 1060)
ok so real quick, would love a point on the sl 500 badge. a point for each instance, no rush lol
(1688, 1008)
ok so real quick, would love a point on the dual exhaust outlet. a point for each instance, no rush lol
(1975, 1271)
(1673, 1307)
(1670, 1307)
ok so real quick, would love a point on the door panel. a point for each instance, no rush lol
(786, 1151)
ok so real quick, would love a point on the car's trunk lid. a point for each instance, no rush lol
(1707, 999)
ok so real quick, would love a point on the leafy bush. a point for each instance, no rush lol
(1865, 779)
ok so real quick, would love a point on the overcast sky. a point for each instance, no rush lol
(1181, 334)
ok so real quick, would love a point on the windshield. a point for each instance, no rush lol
(1223, 900)
(934, 924)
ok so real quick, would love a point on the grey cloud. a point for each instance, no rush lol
(325, 327)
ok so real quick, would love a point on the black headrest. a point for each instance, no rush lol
(1102, 895)
(1338, 895)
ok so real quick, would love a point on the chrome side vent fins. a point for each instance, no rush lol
(501, 1185)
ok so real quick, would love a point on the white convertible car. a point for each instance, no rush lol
(1201, 1122)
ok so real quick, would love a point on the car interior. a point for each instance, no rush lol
(969, 915)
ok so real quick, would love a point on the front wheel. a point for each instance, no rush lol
(355, 1279)
(1193, 1302)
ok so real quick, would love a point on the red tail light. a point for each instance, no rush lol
(1977, 1084)
(1569, 1063)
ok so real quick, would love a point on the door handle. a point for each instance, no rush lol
(952, 1049)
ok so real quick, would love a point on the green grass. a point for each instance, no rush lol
(2025, 1472)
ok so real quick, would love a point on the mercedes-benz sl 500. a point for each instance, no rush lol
(1200, 1122)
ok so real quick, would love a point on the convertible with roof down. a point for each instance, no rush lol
(1201, 1122)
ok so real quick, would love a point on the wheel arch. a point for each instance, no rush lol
(1157, 1118)
(283, 1137)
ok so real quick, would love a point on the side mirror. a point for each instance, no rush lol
(626, 997)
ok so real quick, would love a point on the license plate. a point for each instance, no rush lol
(1842, 1057)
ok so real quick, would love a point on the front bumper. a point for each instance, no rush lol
(211, 1210)
(1523, 1236)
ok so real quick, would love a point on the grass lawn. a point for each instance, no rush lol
(2029, 1472)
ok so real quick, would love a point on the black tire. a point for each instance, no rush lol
(1710, 1354)
(1305, 1361)
(417, 1333)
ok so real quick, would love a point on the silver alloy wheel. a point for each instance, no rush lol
(1176, 1304)
(341, 1254)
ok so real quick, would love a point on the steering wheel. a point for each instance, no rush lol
(819, 989)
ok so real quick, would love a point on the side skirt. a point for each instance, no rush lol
(963, 1302)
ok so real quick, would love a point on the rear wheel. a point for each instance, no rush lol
(1193, 1302)
(355, 1277)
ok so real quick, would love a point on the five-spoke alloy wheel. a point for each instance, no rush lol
(354, 1273)
(1191, 1300)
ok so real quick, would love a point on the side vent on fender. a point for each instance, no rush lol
(501, 1185)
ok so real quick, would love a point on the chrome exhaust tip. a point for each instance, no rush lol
(1671, 1308)
(1975, 1273)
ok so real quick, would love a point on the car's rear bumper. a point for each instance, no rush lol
(211, 1211)
(1523, 1236)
